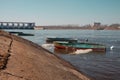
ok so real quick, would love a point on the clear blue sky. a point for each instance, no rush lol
(61, 12)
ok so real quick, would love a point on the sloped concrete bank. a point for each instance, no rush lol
(21, 59)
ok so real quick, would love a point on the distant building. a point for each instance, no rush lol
(96, 24)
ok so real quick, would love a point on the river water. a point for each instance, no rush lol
(100, 66)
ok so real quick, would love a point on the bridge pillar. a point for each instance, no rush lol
(1, 24)
(7, 24)
(18, 24)
(23, 24)
(12, 24)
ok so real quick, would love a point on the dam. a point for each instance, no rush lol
(17, 25)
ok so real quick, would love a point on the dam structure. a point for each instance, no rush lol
(17, 25)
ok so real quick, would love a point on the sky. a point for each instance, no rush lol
(60, 12)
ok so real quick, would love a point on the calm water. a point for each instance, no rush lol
(100, 66)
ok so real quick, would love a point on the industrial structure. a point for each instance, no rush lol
(17, 25)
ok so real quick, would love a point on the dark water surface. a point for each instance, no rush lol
(100, 66)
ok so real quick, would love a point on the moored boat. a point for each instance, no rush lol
(21, 33)
(70, 40)
(13, 32)
(25, 34)
(77, 46)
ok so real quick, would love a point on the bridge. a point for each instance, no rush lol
(17, 25)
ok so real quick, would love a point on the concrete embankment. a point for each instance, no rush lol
(21, 59)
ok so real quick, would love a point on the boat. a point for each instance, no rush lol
(14, 32)
(79, 51)
(21, 33)
(73, 47)
(25, 34)
(51, 40)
